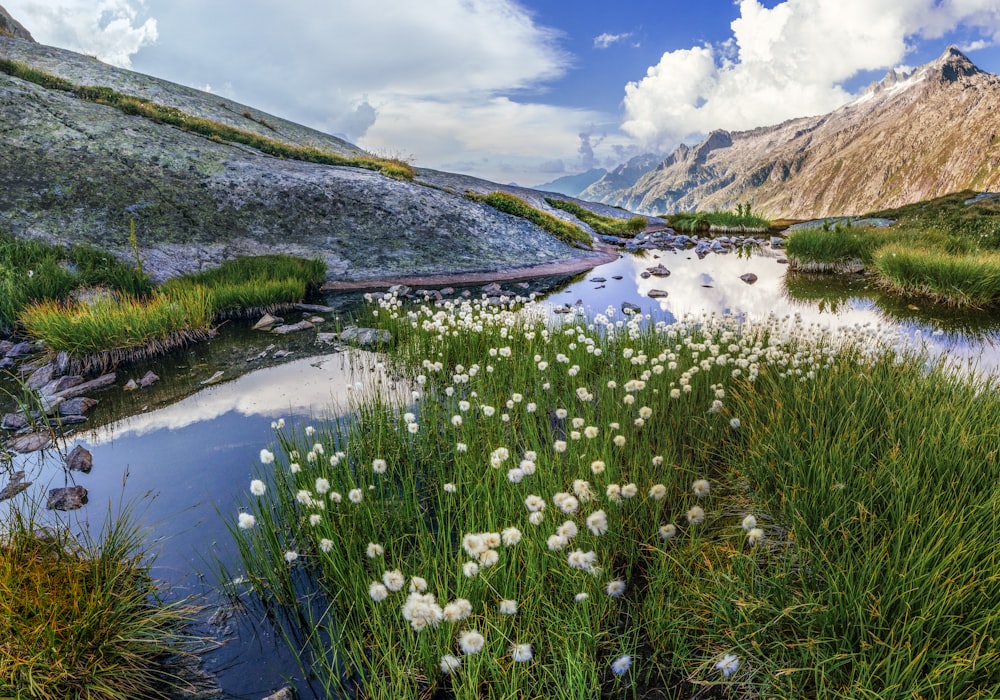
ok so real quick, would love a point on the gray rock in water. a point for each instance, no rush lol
(21, 349)
(656, 294)
(285, 693)
(777, 242)
(80, 459)
(68, 498)
(130, 385)
(293, 328)
(41, 376)
(316, 308)
(629, 308)
(16, 485)
(29, 442)
(749, 278)
(63, 421)
(76, 406)
(366, 337)
(266, 322)
(6, 363)
(400, 290)
(492, 288)
(102, 382)
(658, 271)
(61, 384)
(327, 337)
(62, 363)
(149, 379)
(13, 421)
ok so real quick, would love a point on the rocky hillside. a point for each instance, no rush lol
(910, 137)
(72, 170)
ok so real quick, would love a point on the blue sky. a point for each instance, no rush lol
(522, 90)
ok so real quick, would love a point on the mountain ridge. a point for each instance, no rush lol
(908, 137)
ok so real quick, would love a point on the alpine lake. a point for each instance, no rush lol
(180, 454)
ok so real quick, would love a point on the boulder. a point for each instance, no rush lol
(749, 278)
(61, 384)
(149, 379)
(266, 322)
(16, 485)
(13, 421)
(41, 376)
(76, 406)
(102, 382)
(80, 459)
(30, 442)
(366, 337)
(68, 498)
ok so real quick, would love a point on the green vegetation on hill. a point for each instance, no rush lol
(510, 204)
(946, 249)
(206, 127)
(743, 219)
(608, 225)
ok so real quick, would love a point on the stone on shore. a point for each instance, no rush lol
(366, 337)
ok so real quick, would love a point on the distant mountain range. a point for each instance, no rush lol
(572, 185)
(909, 137)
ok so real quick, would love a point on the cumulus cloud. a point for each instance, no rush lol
(108, 29)
(787, 61)
(603, 41)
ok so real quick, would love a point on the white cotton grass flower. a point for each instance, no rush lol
(510, 536)
(379, 466)
(615, 588)
(597, 466)
(749, 523)
(728, 664)
(508, 607)
(310, 430)
(515, 475)
(336, 497)
(619, 440)
(580, 597)
(695, 515)
(583, 491)
(521, 653)
(489, 558)
(597, 522)
(614, 493)
(322, 485)
(393, 580)
(374, 551)
(566, 502)
(701, 488)
(499, 456)
(326, 544)
(457, 610)
(257, 487)
(590, 432)
(471, 641)
(630, 491)
(658, 461)
(621, 665)
(534, 503)
(584, 561)
(294, 467)
(668, 531)
(355, 495)
(556, 542)
(734, 423)
(418, 584)
(315, 519)
(461, 447)
(413, 427)
(291, 555)
(657, 492)
(754, 536)
(378, 591)
(645, 412)
(450, 488)
(266, 457)
(470, 569)
(536, 518)
(246, 521)
(561, 413)
(559, 446)
(449, 664)
(527, 466)
(422, 611)
(278, 424)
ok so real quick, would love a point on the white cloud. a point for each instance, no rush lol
(108, 29)
(787, 61)
(603, 41)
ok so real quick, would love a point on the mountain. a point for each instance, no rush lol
(572, 185)
(74, 169)
(909, 137)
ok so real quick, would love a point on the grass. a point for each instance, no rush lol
(163, 114)
(743, 219)
(945, 249)
(751, 510)
(81, 619)
(608, 225)
(510, 204)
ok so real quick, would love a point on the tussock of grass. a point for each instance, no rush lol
(163, 114)
(743, 219)
(871, 479)
(510, 204)
(835, 244)
(970, 280)
(82, 620)
(608, 225)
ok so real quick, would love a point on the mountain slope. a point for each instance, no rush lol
(909, 137)
(75, 171)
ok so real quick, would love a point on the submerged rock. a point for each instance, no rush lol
(68, 498)
(656, 294)
(30, 442)
(293, 328)
(149, 379)
(102, 382)
(266, 322)
(80, 459)
(76, 406)
(13, 421)
(658, 271)
(16, 485)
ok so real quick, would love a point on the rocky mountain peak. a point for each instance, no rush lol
(11, 27)
(950, 66)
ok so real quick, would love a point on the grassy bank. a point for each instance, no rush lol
(946, 250)
(509, 204)
(741, 220)
(608, 225)
(206, 127)
(81, 619)
(605, 507)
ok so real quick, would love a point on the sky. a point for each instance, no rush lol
(522, 91)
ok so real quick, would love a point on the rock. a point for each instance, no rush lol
(749, 278)
(327, 337)
(13, 421)
(447, 291)
(62, 363)
(645, 275)
(102, 382)
(5, 345)
(80, 459)
(68, 498)
(149, 379)
(130, 385)
(658, 271)
(76, 406)
(598, 279)
(49, 404)
(285, 693)
(617, 277)
(282, 353)
(21, 349)
(777, 242)
(782, 261)
(656, 294)
(213, 379)
(57, 386)
(16, 485)
(6, 363)
(41, 376)
(366, 337)
(400, 290)
(266, 322)
(628, 308)
(71, 419)
(292, 328)
(315, 308)
(492, 288)
(29, 442)
(316, 319)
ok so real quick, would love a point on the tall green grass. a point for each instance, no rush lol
(866, 570)
(511, 204)
(81, 618)
(601, 224)
(969, 280)
(833, 244)
(743, 219)
(163, 114)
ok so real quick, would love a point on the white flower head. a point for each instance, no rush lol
(749, 523)
(246, 521)
(597, 522)
(615, 588)
(621, 665)
(754, 536)
(728, 664)
(536, 518)
(374, 550)
(701, 488)
(326, 544)
(322, 485)
(378, 591)
(449, 664)
(508, 607)
(696, 515)
(668, 531)
(266, 457)
(291, 555)
(355, 495)
(470, 569)
(379, 466)
(657, 492)
(520, 653)
(257, 487)
(580, 597)
(510, 536)
(393, 580)
(471, 641)
(457, 610)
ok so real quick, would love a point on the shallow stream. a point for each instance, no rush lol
(182, 452)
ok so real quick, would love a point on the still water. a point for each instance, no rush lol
(182, 453)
